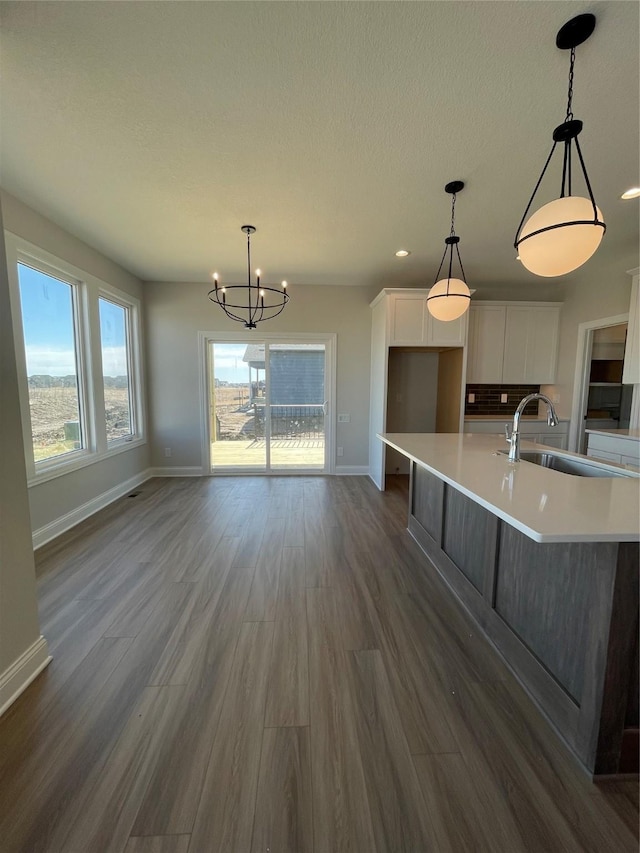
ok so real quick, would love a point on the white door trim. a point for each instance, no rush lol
(329, 339)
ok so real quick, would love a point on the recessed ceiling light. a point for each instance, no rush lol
(402, 253)
(634, 192)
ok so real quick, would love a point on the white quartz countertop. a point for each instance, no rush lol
(544, 504)
(633, 434)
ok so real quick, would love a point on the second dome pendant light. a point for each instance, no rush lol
(449, 297)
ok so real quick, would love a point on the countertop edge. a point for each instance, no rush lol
(535, 535)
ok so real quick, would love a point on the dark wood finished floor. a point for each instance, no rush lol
(261, 665)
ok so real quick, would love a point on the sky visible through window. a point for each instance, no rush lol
(47, 319)
(229, 360)
(229, 366)
(113, 330)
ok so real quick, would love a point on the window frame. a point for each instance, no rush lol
(132, 336)
(87, 289)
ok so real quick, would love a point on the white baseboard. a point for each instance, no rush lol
(193, 471)
(21, 673)
(66, 522)
(352, 470)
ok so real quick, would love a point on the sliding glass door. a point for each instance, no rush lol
(268, 405)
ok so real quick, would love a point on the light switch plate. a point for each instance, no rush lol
(504, 398)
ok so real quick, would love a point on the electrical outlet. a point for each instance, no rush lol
(341, 451)
(504, 398)
(471, 398)
(555, 399)
(344, 419)
(167, 451)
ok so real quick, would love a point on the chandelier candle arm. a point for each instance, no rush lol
(249, 303)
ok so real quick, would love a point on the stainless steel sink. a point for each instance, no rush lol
(569, 464)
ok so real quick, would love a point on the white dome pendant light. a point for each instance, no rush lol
(563, 234)
(449, 297)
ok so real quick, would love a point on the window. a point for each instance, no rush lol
(115, 339)
(54, 380)
(78, 355)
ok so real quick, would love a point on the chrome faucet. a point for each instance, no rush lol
(513, 438)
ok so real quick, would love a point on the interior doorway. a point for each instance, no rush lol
(268, 404)
(600, 400)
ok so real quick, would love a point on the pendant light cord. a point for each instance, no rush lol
(452, 234)
(250, 306)
(249, 258)
(569, 115)
(449, 248)
(453, 215)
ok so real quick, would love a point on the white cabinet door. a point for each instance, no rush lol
(631, 371)
(407, 318)
(450, 334)
(603, 455)
(559, 441)
(486, 344)
(530, 344)
(544, 334)
(411, 324)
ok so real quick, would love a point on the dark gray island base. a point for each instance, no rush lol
(563, 615)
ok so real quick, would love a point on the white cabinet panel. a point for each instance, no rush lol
(407, 320)
(605, 455)
(630, 460)
(486, 344)
(559, 440)
(513, 343)
(411, 324)
(537, 431)
(544, 333)
(530, 344)
(516, 345)
(614, 448)
(450, 334)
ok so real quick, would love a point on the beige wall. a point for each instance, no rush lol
(175, 313)
(42, 232)
(51, 500)
(18, 605)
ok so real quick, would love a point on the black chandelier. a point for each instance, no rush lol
(563, 234)
(449, 297)
(249, 298)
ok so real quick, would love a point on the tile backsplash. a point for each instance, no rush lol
(487, 399)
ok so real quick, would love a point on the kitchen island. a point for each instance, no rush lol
(547, 564)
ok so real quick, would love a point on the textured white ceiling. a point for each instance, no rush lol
(154, 130)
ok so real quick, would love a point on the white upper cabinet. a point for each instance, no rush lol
(452, 333)
(531, 345)
(486, 344)
(513, 343)
(631, 371)
(407, 320)
(411, 324)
